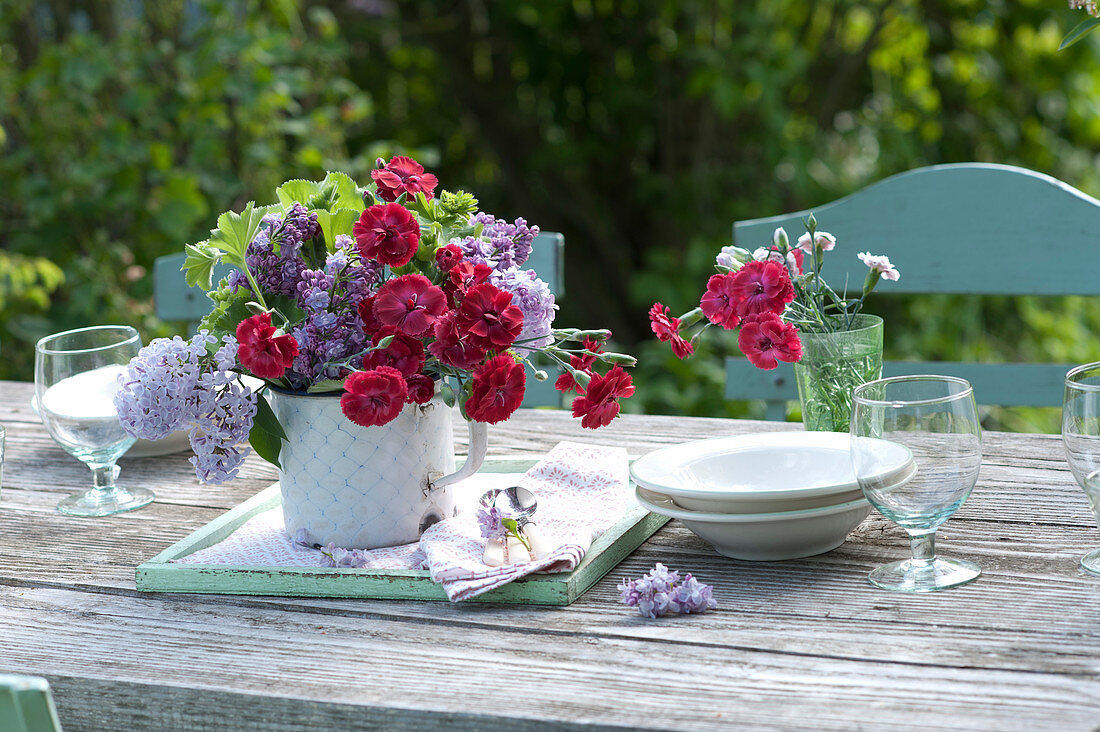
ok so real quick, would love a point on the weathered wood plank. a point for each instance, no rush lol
(554, 674)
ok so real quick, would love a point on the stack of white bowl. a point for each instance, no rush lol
(765, 496)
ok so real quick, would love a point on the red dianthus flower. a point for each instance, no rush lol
(765, 339)
(387, 233)
(410, 303)
(373, 397)
(402, 175)
(371, 325)
(447, 256)
(405, 353)
(261, 351)
(600, 404)
(452, 346)
(488, 315)
(462, 277)
(582, 362)
(421, 389)
(496, 390)
(761, 287)
(667, 328)
(719, 302)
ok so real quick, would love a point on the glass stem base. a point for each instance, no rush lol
(924, 571)
(105, 498)
(1091, 562)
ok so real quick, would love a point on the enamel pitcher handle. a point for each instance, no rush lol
(479, 443)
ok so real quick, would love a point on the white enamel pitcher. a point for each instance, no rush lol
(368, 487)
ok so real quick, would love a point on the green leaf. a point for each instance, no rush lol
(298, 191)
(228, 313)
(448, 394)
(266, 435)
(198, 266)
(1080, 31)
(346, 193)
(328, 385)
(334, 223)
(236, 231)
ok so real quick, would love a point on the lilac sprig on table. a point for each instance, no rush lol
(661, 592)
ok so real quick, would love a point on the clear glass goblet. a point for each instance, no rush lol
(1081, 439)
(75, 381)
(936, 420)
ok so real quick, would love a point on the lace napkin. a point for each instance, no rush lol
(582, 490)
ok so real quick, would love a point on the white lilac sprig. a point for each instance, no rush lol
(661, 592)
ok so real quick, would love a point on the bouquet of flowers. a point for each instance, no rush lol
(389, 295)
(770, 295)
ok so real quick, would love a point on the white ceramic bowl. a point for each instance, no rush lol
(759, 473)
(766, 537)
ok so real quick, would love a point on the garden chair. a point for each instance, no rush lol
(174, 300)
(26, 705)
(967, 228)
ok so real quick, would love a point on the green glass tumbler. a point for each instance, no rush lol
(832, 365)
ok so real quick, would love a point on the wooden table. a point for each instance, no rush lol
(805, 644)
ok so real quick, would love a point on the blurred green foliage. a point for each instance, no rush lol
(641, 129)
(127, 127)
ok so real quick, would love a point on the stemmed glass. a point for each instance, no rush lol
(75, 381)
(1081, 439)
(935, 418)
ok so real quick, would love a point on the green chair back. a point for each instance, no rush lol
(968, 228)
(26, 705)
(175, 301)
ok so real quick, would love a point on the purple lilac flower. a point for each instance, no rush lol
(299, 225)
(313, 290)
(328, 345)
(491, 522)
(274, 273)
(661, 592)
(501, 245)
(173, 384)
(534, 298)
(337, 557)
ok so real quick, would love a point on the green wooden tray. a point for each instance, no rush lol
(159, 574)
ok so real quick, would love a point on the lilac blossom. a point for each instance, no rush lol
(173, 384)
(661, 592)
(533, 297)
(501, 245)
(491, 522)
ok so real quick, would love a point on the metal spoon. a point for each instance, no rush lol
(515, 502)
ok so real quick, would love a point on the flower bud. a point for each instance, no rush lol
(582, 378)
(255, 308)
(811, 222)
(385, 342)
(622, 359)
(380, 163)
(873, 276)
(580, 335)
(779, 238)
(541, 375)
